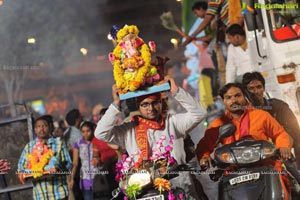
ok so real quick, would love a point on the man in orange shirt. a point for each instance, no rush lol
(248, 121)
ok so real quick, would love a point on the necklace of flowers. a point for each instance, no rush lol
(141, 72)
(37, 164)
(119, 70)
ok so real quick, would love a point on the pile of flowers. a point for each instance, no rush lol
(157, 166)
(39, 158)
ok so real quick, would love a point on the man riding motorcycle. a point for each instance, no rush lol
(248, 121)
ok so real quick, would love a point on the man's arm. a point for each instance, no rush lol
(106, 129)
(207, 38)
(74, 167)
(206, 21)
(231, 67)
(288, 120)
(279, 136)
(23, 161)
(207, 144)
(195, 112)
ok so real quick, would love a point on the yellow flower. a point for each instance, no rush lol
(125, 31)
(37, 167)
(162, 184)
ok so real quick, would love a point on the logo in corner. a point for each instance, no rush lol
(246, 8)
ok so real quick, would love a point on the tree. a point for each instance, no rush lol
(59, 32)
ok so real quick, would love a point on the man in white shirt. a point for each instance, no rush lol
(238, 60)
(142, 133)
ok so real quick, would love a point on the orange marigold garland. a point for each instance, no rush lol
(39, 158)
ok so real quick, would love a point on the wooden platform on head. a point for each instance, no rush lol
(149, 90)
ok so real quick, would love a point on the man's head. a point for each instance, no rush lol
(234, 98)
(74, 118)
(236, 35)
(49, 118)
(150, 106)
(42, 127)
(254, 82)
(199, 8)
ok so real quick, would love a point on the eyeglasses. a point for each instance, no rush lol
(146, 105)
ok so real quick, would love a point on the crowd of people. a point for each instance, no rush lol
(85, 146)
(77, 154)
(80, 148)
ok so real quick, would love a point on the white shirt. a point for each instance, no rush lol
(238, 63)
(72, 135)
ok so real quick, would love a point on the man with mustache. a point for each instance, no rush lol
(248, 121)
(35, 157)
(254, 82)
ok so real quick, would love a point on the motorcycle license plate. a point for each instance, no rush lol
(157, 197)
(244, 178)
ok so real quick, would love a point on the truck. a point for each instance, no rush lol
(273, 34)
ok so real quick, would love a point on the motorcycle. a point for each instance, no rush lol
(144, 178)
(245, 170)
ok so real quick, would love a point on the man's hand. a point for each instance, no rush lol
(21, 178)
(115, 95)
(71, 184)
(188, 40)
(205, 163)
(285, 153)
(174, 87)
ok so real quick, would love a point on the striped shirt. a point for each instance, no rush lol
(215, 6)
(54, 187)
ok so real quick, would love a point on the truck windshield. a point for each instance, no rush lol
(284, 19)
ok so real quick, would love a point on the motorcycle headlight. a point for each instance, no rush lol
(247, 155)
(244, 152)
(252, 154)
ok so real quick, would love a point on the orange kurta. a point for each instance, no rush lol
(262, 126)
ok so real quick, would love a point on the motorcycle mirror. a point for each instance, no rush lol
(225, 131)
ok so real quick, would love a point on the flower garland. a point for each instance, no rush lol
(118, 71)
(127, 30)
(37, 166)
(39, 158)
